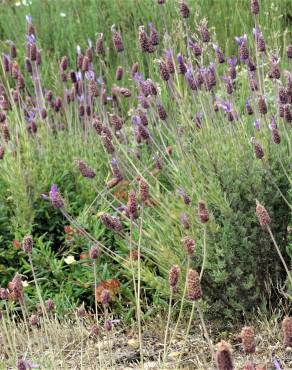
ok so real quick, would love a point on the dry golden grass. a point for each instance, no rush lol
(66, 345)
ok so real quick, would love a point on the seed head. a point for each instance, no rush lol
(262, 215)
(223, 356)
(248, 339)
(194, 290)
(27, 244)
(287, 331)
(173, 277)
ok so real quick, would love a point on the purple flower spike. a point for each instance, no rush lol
(90, 75)
(30, 39)
(28, 18)
(136, 120)
(277, 364)
(240, 39)
(257, 124)
(55, 197)
(180, 58)
(232, 61)
(216, 48)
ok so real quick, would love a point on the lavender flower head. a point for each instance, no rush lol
(55, 197)
(232, 61)
(30, 39)
(90, 75)
(180, 58)
(241, 39)
(273, 124)
(257, 124)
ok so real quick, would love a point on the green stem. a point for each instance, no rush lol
(139, 287)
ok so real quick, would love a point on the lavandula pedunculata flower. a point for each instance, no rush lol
(248, 339)
(243, 49)
(219, 54)
(259, 38)
(154, 38)
(198, 119)
(163, 70)
(262, 106)
(195, 48)
(189, 245)
(282, 95)
(287, 113)
(89, 51)
(143, 117)
(274, 72)
(132, 206)
(253, 84)
(289, 51)
(258, 150)
(275, 132)
(5, 132)
(161, 111)
(85, 170)
(184, 9)
(116, 122)
(116, 170)
(203, 31)
(27, 244)
(194, 290)
(184, 195)
(232, 61)
(229, 84)
(168, 56)
(117, 40)
(181, 64)
(119, 73)
(140, 130)
(111, 222)
(184, 219)
(287, 331)
(173, 277)
(223, 356)
(257, 124)
(191, 81)
(144, 190)
(6, 62)
(227, 107)
(248, 108)
(254, 6)
(55, 197)
(99, 49)
(250, 65)
(203, 212)
(143, 40)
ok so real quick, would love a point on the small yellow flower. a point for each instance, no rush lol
(69, 260)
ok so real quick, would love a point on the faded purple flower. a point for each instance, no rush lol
(257, 124)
